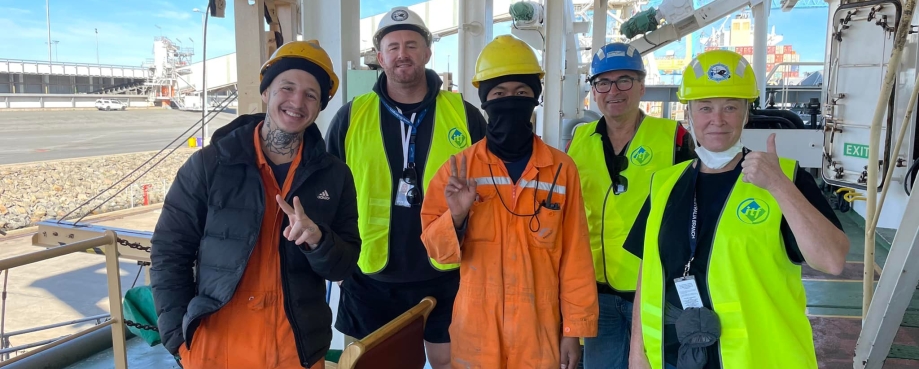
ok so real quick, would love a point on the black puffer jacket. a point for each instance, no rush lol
(211, 221)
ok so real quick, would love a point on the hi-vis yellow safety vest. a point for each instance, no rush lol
(755, 290)
(610, 216)
(366, 156)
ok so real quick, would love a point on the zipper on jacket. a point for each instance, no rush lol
(287, 308)
(285, 284)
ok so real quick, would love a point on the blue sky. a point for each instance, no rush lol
(127, 29)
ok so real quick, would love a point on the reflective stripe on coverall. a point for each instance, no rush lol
(524, 281)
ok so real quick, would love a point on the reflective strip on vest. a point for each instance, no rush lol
(610, 217)
(755, 290)
(366, 156)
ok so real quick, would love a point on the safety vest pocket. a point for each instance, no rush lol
(545, 229)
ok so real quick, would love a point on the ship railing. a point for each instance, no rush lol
(109, 240)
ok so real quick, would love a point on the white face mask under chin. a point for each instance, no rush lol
(716, 160)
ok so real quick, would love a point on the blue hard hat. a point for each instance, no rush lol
(616, 56)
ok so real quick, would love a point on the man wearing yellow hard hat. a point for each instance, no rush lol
(722, 240)
(394, 139)
(266, 216)
(509, 211)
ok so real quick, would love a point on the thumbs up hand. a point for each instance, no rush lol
(762, 168)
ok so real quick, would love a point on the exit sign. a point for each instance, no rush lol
(856, 150)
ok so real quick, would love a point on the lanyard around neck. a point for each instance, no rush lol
(408, 136)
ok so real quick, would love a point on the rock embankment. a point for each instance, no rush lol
(33, 192)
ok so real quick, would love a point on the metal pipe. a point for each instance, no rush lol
(3, 311)
(80, 246)
(9, 350)
(899, 41)
(760, 43)
(55, 325)
(204, 75)
(58, 343)
(777, 65)
(112, 273)
(914, 96)
(48, 18)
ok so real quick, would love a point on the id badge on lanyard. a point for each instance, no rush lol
(406, 185)
(686, 285)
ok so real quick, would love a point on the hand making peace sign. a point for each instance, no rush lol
(460, 191)
(301, 228)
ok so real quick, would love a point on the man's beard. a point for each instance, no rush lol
(405, 77)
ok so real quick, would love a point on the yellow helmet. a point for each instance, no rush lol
(504, 56)
(718, 74)
(308, 50)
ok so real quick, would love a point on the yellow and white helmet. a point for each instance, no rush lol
(399, 18)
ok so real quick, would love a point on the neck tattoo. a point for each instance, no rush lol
(276, 141)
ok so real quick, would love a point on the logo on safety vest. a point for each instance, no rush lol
(641, 156)
(752, 211)
(719, 72)
(457, 138)
(399, 15)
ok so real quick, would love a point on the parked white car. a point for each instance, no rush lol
(109, 104)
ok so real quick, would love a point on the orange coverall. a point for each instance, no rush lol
(524, 281)
(252, 330)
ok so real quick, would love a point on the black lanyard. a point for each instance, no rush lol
(695, 222)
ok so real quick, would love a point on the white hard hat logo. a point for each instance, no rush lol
(399, 15)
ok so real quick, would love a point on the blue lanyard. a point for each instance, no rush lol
(408, 122)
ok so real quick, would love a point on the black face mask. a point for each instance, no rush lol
(510, 133)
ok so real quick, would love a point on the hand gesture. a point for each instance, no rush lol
(460, 191)
(301, 228)
(762, 168)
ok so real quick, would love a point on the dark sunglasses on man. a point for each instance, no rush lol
(410, 177)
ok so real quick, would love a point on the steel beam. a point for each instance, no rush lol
(51, 234)
(475, 31)
(894, 292)
(334, 24)
(251, 53)
(554, 62)
(599, 36)
(760, 36)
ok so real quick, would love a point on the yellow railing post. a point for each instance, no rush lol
(113, 273)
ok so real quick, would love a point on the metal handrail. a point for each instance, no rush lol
(97, 318)
(73, 337)
(112, 271)
(777, 65)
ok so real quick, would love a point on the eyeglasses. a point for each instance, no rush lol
(620, 183)
(410, 177)
(604, 85)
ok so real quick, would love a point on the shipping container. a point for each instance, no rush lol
(771, 50)
(788, 49)
(771, 58)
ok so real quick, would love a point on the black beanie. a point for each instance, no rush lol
(285, 64)
(531, 80)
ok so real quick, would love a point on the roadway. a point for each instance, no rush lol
(28, 136)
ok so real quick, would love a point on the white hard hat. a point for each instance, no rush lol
(404, 18)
